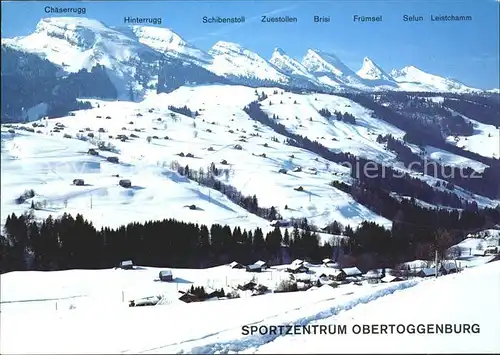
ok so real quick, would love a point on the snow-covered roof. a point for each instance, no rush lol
(234, 263)
(260, 263)
(296, 266)
(166, 273)
(416, 264)
(449, 265)
(336, 272)
(427, 271)
(302, 277)
(297, 262)
(389, 278)
(332, 265)
(373, 274)
(352, 271)
(126, 263)
(327, 260)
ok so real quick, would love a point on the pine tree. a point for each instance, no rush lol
(258, 241)
(286, 238)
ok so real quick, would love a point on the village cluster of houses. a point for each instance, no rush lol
(303, 276)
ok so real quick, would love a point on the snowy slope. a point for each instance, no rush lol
(299, 114)
(375, 74)
(76, 43)
(418, 305)
(446, 158)
(165, 41)
(49, 164)
(411, 78)
(292, 67)
(67, 304)
(485, 140)
(221, 125)
(81, 43)
(58, 311)
(233, 61)
(330, 70)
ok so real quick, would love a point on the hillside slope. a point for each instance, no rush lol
(442, 301)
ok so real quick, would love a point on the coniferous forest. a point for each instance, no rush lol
(71, 242)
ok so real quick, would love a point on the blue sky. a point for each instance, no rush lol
(467, 51)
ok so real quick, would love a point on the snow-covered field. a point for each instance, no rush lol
(446, 300)
(84, 311)
(446, 158)
(485, 140)
(48, 163)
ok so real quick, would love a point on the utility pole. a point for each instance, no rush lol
(90, 201)
(309, 196)
(209, 199)
(436, 262)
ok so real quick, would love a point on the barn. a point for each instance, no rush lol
(426, 272)
(236, 265)
(78, 182)
(250, 285)
(262, 264)
(297, 268)
(189, 297)
(126, 265)
(125, 183)
(337, 275)
(391, 278)
(352, 271)
(254, 268)
(166, 275)
(448, 268)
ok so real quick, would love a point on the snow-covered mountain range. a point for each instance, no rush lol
(80, 43)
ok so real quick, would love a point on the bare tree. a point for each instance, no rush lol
(442, 241)
(454, 252)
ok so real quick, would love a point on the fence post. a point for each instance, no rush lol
(123, 296)
(56, 306)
